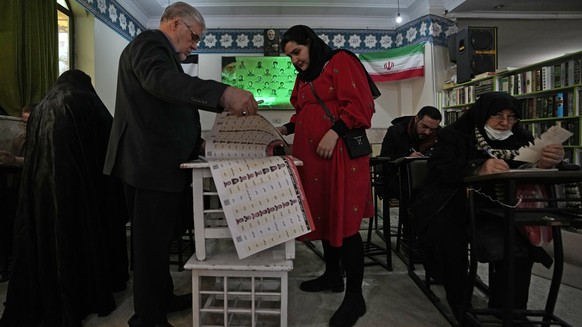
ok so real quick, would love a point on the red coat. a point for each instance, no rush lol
(337, 189)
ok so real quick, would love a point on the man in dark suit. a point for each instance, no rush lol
(156, 128)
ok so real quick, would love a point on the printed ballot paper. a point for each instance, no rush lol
(532, 153)
(260, 192)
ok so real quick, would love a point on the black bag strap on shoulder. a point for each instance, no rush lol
(331, 117)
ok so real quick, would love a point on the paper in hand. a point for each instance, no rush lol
(532, 153)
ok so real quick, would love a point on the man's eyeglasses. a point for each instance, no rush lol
(195, 37)
(510, 118)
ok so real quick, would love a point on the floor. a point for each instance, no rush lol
(392, 298)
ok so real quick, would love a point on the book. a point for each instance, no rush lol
(559, 104)
(557, 76)
(537, 80)
(260, 192)
(504, 84)
(577, 71)
(483, 75)
(528, 82)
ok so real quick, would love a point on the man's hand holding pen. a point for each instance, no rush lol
(415, 154)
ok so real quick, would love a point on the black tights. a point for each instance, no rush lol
(351, 257)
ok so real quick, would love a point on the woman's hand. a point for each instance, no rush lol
(327, 144)
(552, 155)
(491, 166)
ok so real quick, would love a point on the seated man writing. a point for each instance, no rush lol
(409, 136)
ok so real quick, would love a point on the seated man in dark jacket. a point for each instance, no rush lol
(409, 136)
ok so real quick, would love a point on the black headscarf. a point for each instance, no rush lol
(488, 104)
(319, 54)
(319, 51)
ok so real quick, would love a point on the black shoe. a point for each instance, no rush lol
(164, 325)
(324, 283)
(352, 308)
(179, 303)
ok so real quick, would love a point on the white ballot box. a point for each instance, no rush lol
(209, 223)
(228, 291)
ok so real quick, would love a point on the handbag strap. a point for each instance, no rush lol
(331, 117)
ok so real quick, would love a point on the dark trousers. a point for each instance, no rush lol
(154, 216)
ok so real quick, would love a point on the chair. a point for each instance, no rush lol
(412, 173)
(381, 209)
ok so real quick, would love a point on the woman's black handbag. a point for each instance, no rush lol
(355, 139)
(357, 143)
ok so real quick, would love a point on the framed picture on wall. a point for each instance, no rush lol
(270, 79)
(271, 43)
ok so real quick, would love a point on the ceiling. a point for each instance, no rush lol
(377, 14)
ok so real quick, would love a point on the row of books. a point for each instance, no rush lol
(560, 104)
(451, 115)
(469, 93)
(565, 74)
(572, 125)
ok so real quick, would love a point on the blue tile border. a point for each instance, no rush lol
(115, 16)
(429, 28)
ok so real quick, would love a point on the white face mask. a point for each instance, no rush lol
(497, 135)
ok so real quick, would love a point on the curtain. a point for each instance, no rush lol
(28, 52)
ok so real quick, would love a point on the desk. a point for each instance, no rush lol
(514, 217)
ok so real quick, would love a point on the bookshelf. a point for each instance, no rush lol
(458, 98)
(549, 92)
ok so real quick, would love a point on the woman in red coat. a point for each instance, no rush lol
(337, 187)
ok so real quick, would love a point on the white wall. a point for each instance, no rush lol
(108, 47)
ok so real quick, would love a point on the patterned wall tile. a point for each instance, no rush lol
(428, 28)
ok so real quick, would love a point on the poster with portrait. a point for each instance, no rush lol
(271, 42)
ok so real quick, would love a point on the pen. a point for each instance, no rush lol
(412, 150)
(260, 101)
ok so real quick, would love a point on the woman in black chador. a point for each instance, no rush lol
(484, 140)
(69, 236)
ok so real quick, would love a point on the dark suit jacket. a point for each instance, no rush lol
(156, 125)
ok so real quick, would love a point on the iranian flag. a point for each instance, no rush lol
(395, 64)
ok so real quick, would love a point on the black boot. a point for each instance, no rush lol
(352, 308)
(332, 279)
(327, 282)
